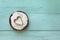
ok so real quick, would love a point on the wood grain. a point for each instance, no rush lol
(44, 19)
(30, 35)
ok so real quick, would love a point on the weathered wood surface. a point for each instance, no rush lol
(44, 19)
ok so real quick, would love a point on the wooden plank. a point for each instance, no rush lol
(37, 5)
(36, 22)
(30, 35)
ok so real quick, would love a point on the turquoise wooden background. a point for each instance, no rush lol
(44, 19)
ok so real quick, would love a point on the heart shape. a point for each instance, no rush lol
(18, 21)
